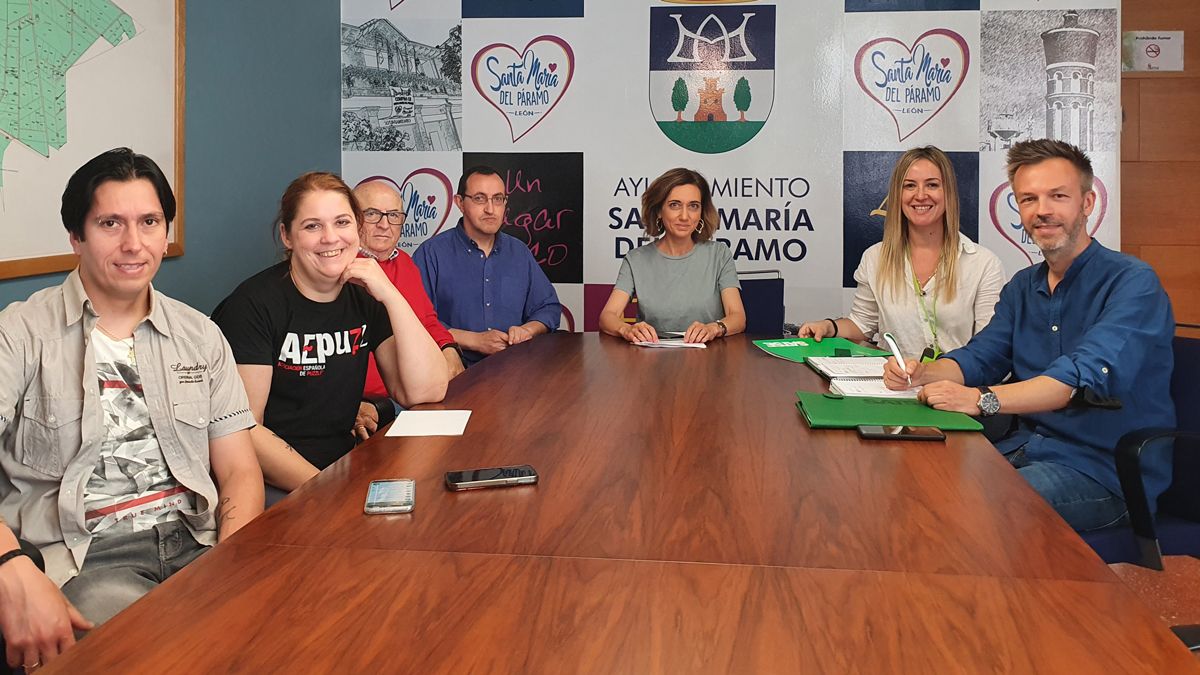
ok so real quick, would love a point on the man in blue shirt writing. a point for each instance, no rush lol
(485, 285)
(1087, 337)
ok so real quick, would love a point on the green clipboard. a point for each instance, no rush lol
(799, 349)
(830, 411)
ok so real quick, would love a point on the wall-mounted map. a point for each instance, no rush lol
(80, 78)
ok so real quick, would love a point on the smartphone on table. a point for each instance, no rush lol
(501, 476)
(396, 495)
(905, 433)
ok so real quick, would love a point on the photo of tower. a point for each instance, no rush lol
(1070, 77)
(1054, 74)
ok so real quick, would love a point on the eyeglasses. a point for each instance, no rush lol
(481, 199)
(372, 216)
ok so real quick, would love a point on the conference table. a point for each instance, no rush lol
(687, 520)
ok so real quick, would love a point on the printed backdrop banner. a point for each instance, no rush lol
(580, 104)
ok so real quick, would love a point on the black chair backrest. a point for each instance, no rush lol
(763, 300)
(1183, 497)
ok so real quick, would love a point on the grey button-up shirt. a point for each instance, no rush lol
(52, 426)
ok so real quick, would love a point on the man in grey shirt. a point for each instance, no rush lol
(124, 428)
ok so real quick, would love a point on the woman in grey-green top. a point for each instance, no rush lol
(685, 282)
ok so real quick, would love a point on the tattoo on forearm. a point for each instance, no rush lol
(285, 443)
(225, 511)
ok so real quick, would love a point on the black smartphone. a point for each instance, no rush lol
(501, 476)
(905, 433)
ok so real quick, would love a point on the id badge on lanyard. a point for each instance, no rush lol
(933, 351)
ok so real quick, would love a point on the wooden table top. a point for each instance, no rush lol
(687, 520)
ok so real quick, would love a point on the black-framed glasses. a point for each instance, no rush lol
(372, 216)
(481, 199)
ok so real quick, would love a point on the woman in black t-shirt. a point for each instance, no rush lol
(301, 331)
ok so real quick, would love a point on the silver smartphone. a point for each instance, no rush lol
(501, 476)
(391, 496)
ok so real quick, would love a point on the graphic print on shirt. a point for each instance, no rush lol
(307, 354)
(131, 488)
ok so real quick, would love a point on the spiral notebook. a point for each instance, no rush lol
(872, 387)
(857, 376)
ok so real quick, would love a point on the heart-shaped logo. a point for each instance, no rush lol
(524, 86)
(426, 196)
(913, 83)
(1006, 218)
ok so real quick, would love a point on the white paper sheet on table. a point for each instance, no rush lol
(672, 344)
(430, 423)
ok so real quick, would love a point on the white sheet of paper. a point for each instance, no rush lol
(672, 344)
(430, 423)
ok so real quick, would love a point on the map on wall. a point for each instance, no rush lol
(45, 38)
(79, 78)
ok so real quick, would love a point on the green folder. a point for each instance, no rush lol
(799, 349)
(830, 411)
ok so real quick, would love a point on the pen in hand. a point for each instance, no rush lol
(891, 343)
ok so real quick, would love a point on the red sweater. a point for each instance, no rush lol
(407, 279)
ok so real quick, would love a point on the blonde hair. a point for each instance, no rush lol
(895, 227)
(656, 195)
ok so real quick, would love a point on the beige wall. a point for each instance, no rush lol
(1160, 158)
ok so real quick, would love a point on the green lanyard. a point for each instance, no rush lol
(930, 318)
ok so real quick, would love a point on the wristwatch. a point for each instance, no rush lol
(724, 328)
(988, 403)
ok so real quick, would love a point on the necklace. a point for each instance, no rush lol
(128, 342)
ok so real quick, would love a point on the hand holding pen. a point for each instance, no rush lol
(897, 372)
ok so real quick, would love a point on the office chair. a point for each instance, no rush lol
(1176, 528)
(762, 296)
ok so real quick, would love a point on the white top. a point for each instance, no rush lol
(980, 278)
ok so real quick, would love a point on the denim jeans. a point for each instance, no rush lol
(120, 569)
(1081, 501)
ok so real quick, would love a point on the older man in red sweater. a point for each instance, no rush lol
(383, 221)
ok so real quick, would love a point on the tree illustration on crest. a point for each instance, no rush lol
(679, 98)
(741, 98)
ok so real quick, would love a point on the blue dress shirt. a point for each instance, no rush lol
(1106, 328)
(471, 291)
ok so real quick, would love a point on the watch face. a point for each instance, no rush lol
(989, 404)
